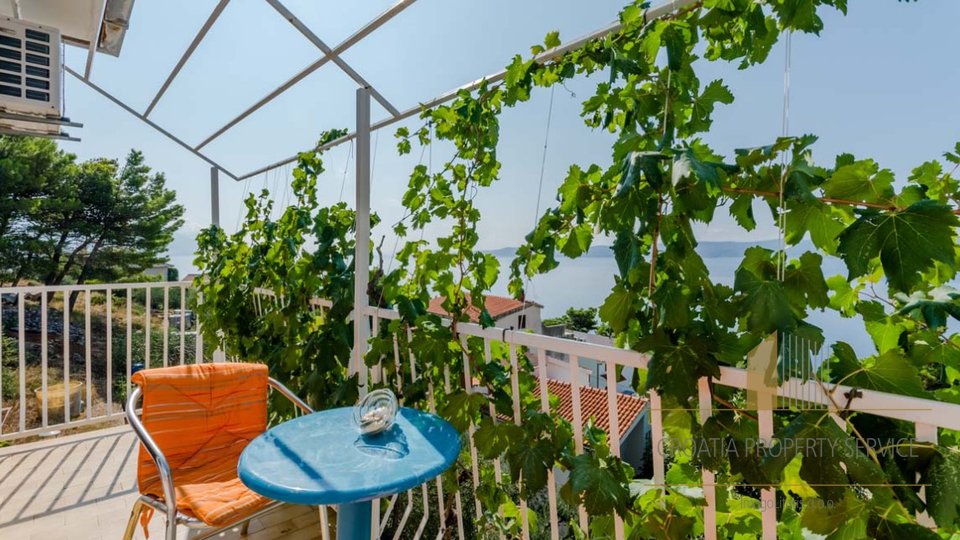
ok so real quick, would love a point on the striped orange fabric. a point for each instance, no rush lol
(202, 417)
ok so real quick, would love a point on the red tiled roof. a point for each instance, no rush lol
(497, 306)
(593, 404)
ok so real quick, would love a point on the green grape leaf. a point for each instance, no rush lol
(885, 333)
(703, 106)
(844, 297)
(577, 242)
(907, 242)
(765, 304)
(887, 529)
(676, 368)
(943, 495)
(617, 308)
(933, 306)
(794, 483)
(890, 372)
(575, 192)
(820, 220)
(843, 520)
(598, 484)
(462, 408)
(707, 171)
(529, 464)
(861, 181)
(804, 284)
(742, 211)
(831, 459)
(552, 40)
(493, 439)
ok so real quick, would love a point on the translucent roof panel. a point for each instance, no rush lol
(249, 52)
(335, 20)
(159, 33)
(442, 44)
(423, 49)
(292, 122)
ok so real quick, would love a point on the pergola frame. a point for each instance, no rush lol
(363, 130)
(329, 54)
(364, 127)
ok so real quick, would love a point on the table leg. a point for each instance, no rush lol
(353, 521)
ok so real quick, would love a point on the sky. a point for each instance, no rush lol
(879, 82)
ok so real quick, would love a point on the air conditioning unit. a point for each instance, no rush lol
(30, 68)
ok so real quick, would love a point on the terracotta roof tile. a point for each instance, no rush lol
(497, 306)
(593, 404)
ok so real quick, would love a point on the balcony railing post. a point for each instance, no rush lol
(925, 433)
(709, 478)
(656, 434)
(762, 395)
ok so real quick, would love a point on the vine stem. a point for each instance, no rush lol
(846, 420)
(828, 200)
(733, 407)
(655, 251)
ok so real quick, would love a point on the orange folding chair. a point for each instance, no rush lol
(196, 420)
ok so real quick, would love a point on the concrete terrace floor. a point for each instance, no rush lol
(83, 487)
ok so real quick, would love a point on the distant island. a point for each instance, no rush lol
(706, 249)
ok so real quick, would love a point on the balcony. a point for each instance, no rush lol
(71, 468)
(563, 435)
(83, 486)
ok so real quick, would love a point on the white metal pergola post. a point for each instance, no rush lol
(215, 196)
(361, 274)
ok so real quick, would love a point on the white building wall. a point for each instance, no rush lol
(512, 320)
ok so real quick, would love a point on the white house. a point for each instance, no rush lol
(161, 270)
(506, 312)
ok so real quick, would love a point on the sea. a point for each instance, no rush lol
(587, 280)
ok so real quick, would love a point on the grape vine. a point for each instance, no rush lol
(663, 180)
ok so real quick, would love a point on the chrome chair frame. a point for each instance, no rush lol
(168, 506)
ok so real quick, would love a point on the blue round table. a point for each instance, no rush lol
(322, 459)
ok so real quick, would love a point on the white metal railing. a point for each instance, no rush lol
(105, 310)
(926, 415)
(537, 346)
(62, 369)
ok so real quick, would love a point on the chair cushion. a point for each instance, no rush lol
(213, 494)
(202, 417)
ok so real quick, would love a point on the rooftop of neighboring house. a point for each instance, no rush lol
(594, 404)
(497, 306)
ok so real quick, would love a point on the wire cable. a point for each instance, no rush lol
(543, 168)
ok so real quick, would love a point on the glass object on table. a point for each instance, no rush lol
(376, 412)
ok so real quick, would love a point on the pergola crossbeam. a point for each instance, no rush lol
(383, 18)
(214, 15)
(656, 12)
(450, 95)
(335, 58)
(146, 120)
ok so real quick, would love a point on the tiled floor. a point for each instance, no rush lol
(83, 487)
